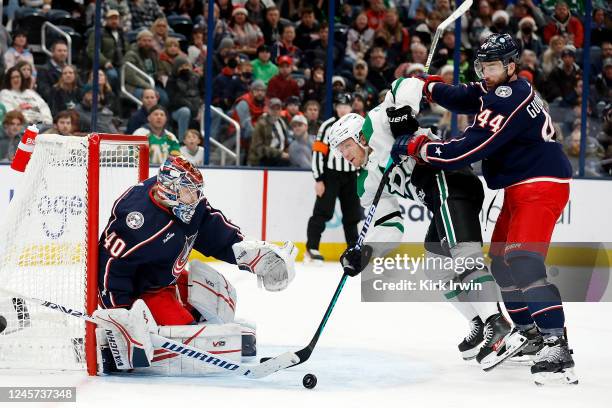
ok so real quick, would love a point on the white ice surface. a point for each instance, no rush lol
(370, 355)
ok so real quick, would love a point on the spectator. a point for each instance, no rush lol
(263, 68)
(361, 83)
(376, 14)
(171, 51)
(563, 79)
(18, 51)
(247, 36)
(593, 155)
(292, 108)
(105, 91)
(399, 38)
(318, 48)
(602, 88)
(225, 9)
(256, 11)
(16, 96)
(221, 28)
(62, 124)
(196, 53)
(597, 63)
(185, 90)
(192, 151)
(249, 107)
(286, 47)
(445, 50)
(307, 29)
(443, 7)
(66, 93)
(359, 39)
(312, 110)
(359, 104)
(159, 28)
(281, 85)
(426, 29)
(600, 29)
(123, 8)
(161, 142)
(527, 37)
(104, 115)
(224, 54)
(501, 22)
(149, 99)
(380, 75)
(52, 70)
(338, 84)
(144, 57)
(28, 72)
(272, 27)
(564, 24)
(12, 128)
(314, 88)
(551, 58)
(300, 149)
(481, 22)
(529, 61)
(144, 13)
(223, 84)
(270, 139)
(112, 47)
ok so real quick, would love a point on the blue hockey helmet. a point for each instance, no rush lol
(180, 186)
(497, 47)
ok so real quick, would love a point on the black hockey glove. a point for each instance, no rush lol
(402, 121)
(354, 260)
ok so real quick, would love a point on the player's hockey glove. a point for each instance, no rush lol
(408, 146)
(402, 121)
(429, 79)
(354, 259)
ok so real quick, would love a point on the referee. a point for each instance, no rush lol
(335, 178)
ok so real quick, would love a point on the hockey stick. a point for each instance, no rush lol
(203, 357)
(465, 6)
(304, 354)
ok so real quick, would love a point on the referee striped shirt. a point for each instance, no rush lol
(322, 158)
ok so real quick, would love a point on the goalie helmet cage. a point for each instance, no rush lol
(49, 245)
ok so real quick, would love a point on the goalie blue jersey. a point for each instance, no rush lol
(512, 134)
(145, 247)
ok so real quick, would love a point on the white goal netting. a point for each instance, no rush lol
(43, 248)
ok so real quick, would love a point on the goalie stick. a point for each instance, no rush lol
(203, 357)
(304, 354)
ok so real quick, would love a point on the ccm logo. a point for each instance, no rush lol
(219, 343)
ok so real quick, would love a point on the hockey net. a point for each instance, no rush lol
(48, 245)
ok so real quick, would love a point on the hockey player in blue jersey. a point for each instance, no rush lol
(144, 250)
(513, 135)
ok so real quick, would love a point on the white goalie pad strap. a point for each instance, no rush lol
(224, 340)
(211, 294)
(127, 334)
(273, 264)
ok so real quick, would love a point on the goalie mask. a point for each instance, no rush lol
(180, 186)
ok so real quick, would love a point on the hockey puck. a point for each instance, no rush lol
(309, 381)
(2, 324)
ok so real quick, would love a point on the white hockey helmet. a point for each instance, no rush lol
(347, 127)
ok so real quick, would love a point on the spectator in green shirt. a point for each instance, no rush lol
(263, 68)
(161, 142)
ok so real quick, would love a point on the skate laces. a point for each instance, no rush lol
(488, 334)
(475, 327)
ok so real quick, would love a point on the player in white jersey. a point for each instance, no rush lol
(455, 198)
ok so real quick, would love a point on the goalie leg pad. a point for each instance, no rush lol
(211, 294)
(127, 334)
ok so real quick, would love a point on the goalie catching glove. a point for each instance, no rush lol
(273, 265)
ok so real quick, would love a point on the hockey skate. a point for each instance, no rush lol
(534, 344)
(313, 256)
(469, 347)
(498, 345)
(554, 363)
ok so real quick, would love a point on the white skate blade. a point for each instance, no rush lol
(512, 344)
(565, 377)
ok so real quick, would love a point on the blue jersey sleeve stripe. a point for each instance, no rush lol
(151, 238)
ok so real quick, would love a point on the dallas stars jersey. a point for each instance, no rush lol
(145, 247)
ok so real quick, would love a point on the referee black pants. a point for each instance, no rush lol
(341, 185)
